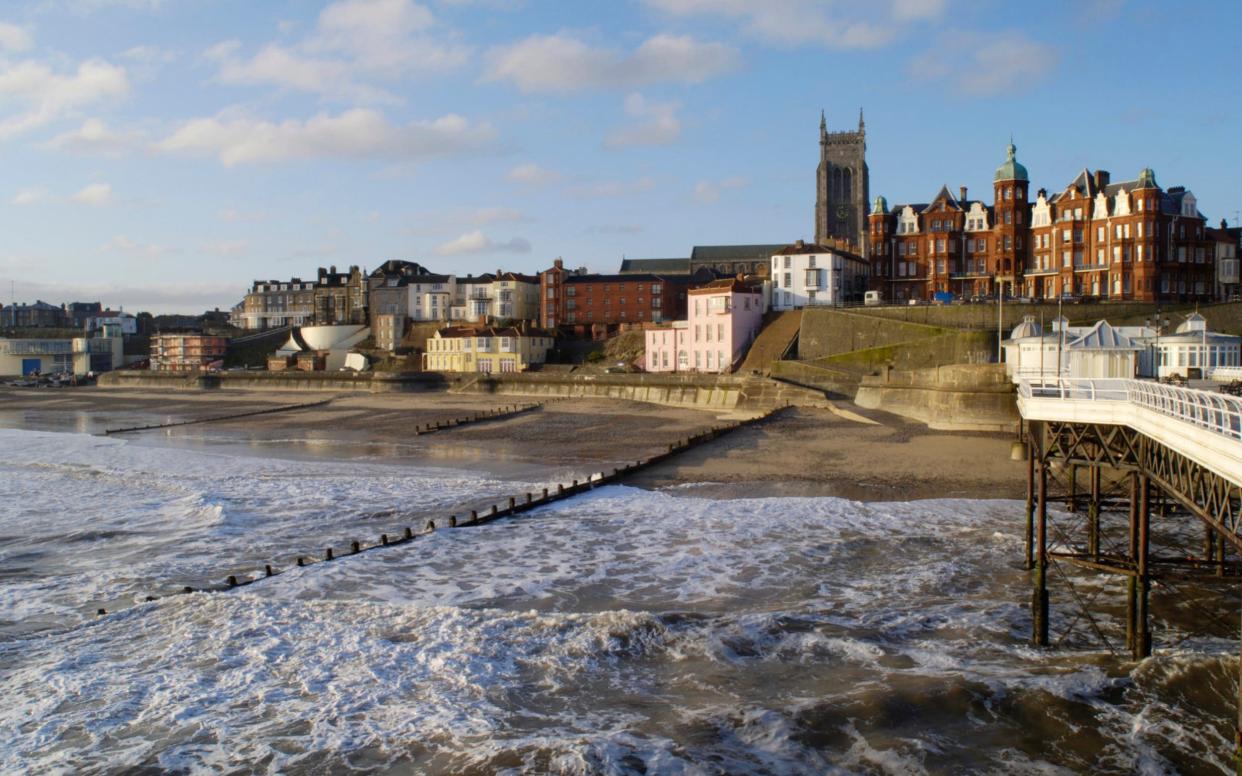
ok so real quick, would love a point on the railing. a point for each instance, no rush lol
(1215, 412)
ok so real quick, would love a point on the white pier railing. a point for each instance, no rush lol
(1203, 426)
(1216, 412)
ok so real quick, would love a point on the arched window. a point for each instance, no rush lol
(848, 192)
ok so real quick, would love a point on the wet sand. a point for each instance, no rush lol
(800, 452)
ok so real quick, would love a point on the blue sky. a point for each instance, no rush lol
(162, 154)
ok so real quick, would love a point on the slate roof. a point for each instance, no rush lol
(704, 253)
(658, 266)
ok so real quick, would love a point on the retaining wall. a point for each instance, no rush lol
(958, 397)
(377, 382)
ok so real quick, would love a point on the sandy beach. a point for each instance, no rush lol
(800, 452)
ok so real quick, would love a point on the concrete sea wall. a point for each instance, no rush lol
(958, 397)
(710, 392)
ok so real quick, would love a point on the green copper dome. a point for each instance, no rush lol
(1147, 179)
(1011, 170)
(880, 206)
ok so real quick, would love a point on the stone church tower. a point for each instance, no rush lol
(842, 186)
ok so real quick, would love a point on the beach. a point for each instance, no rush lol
(800, 452)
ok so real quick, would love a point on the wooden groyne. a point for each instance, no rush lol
(217, 418)
(515, 505)
(500, 413)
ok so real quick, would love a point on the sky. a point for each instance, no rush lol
(161, 155)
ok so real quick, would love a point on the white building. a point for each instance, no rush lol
(507, 296)
(1098, 351)
(809, 275)
(1192, 352)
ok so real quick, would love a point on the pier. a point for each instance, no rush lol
(1151, 480)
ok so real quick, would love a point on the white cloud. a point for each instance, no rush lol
(561, 63)
(533, 174)
(708, 192)
(477, 242)
(226, 247)
(657, 124)
(15, 38)
(354, 41)
(836, 25)
(123, 244)
(355, 134)
(94, 195)
(94, 137)
(985, 64)
(31, 196)
(48, 96)
(616, 188)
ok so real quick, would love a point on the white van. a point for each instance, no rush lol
(873, 299)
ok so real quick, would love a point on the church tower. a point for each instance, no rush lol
(842, 186)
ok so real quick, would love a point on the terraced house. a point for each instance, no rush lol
(486, 349)
(1128, 240)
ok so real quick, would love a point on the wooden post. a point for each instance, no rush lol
(1142, 634)
(1220, 554)
(1039, 602)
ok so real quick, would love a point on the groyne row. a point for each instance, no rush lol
(515, 505)
(501, 413)
(217, 418)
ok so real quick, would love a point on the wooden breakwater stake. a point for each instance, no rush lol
(500, 413)
(514, 507)
(217, 418)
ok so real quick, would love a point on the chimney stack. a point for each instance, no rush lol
(1101, 178)
(559, 263)
(961, 194)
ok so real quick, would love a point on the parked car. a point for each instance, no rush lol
(873, 299)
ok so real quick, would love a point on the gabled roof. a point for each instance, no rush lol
(946, 196)
(666, 266)
(1102, 336)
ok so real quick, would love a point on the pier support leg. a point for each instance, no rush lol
(1071, 501)
(1142, 632)
(1220, 554)
(1030, 500)
(1039, 598)
(1093, 513)
(1132, 580)
(1209, 543)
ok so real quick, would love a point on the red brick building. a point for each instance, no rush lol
(1129, 240)
(575, 298)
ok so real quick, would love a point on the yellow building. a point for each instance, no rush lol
(487, 350)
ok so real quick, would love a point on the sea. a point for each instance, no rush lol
(625, 631)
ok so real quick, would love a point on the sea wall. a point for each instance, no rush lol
(720, 392)
(723, 392)
(958, 397)
(278, 381)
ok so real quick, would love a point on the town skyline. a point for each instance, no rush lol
(163, 155)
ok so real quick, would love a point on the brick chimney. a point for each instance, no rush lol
(1101, 178)
(799, 244)
(961, 192)
(559, 264)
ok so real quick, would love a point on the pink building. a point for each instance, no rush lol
(723, 319)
